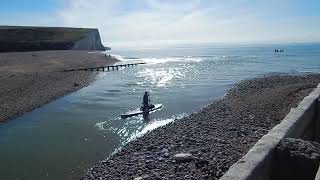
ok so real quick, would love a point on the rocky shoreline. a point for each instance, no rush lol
(205, 144)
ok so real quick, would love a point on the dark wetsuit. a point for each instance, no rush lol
(146, 101)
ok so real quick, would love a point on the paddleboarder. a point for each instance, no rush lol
(146, 101)
(146, 108)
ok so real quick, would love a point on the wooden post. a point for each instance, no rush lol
(102, 68)
(117, 67)
(108, 68)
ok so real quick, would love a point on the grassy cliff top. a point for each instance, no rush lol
(41, 34)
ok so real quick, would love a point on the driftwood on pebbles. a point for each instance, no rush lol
(212, 139)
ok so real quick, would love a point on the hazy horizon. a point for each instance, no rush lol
(155, 23)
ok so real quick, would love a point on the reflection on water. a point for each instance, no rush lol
(159, 77)
(61, 139)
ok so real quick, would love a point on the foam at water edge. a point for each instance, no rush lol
(149, 127)
(154, 125)
(151, 60)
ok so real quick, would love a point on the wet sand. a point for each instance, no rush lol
(214, 138)
(31, 79)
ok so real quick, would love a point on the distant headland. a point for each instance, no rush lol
(30, 38)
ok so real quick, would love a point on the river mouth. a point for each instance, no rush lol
(62, 139)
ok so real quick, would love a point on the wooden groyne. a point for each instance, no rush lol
(105, 68)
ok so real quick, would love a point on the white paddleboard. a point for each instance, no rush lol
(138, 111)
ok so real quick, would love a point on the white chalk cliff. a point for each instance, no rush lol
(91, 41)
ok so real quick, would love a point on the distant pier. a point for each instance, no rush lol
(105, 68)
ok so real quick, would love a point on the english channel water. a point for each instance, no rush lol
(63, 138)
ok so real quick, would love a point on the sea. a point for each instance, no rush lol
(66, 137)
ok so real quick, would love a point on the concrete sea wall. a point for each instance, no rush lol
(259, 163)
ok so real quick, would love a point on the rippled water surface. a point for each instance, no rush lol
(63, 138)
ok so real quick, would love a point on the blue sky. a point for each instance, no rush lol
(16, 6)
(162, 22)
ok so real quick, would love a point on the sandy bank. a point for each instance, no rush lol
(216, 137)
(31, 79)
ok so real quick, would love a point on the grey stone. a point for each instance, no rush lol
(166, 155)
(183, 157)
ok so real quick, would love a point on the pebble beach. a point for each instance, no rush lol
(206, 143)
(31, 79)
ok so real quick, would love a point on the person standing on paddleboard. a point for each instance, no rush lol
(146, 101)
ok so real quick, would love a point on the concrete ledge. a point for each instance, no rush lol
(257, 163)
(317, 175)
